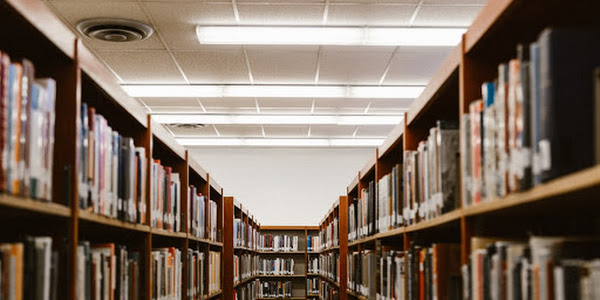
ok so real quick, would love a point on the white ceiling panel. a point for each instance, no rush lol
(295, 65)
(374, 130)
(377, 1)
(332, 131)
(228, 103)
(353, 65)
(170, 102)
(239, 130)
(370, 14)
(440, 15)
(286, 130)
(281, 14)
(73, 12)
(390, 103)
(177, 23)
(224, 65)
(206, 131)
(415, 65)
(347, 106)
(302, 103)
(177, 109)
(143, 66)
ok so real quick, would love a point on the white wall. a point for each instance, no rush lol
(284, 186)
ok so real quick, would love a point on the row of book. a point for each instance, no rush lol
(313, 265)
(276, 266)
(248, 291)
(389, 202)
(214, 272)
(361, 273)
(328, 291)
(312, 286)
(165, 197)
(278, 243)
(521, 133)
(108, 271)
(167, 268)
(275, 289)
(544, 268)
(244, 267)
(431, 174)
(361, 214)
(244, 235)
(202, 216)
(330, 235)
(27, 106)
(313, 243)
(29, 269)
(330, 266)
(195, 261)
(112, 171)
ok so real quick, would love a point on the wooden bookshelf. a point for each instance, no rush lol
(58, 53)
(489, 41)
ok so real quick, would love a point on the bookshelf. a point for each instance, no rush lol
(491, 40)
(333, 252)
(57, 53)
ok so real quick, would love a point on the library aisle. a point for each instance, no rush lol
(404, 149)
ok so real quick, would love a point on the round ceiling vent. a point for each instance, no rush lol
(115, 30)
(187, 126)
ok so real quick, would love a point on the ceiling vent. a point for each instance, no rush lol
(115, 30)
(187, 126)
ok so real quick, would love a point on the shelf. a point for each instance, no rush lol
(369, 167)
(243, 249)
(363, 241)
(205, 241)
(285, 227)
(36, 206)
(444, 219)
(313, 252)
(217, 293)
(279, 298)
(391, 233)
(194, 165)
(245, 281)
(353, 184)
(356, 295)
(578, 186)
(162, 134)
(91, 217)
(390, 142)
(329, 249)
(215, 186)
(435, 85)
(312, 295)
(330, 281)
(281, 252)
(280, 276)
(165, 233)
(313, 274)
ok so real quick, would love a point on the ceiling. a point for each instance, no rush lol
(173, 55)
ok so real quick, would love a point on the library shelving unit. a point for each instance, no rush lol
(38, 35)
(564, 206)
(298, 280)
(332, 246)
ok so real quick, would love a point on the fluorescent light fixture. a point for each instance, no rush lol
(266, 142)
(328, 35)
(272, 91)
(260, 119)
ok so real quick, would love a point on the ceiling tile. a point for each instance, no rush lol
(267, 103)
(286, 130)
(228, 103)
(441, 15)
(144, 66)
(353, 65)
(283, 65)
(177, 21)
(370, 14)
(225, 65)
(374, 130)
(342, 106)
(73, 12)
(281, 14)
(326, 131)
(239, 130)
(396, 104)
(171, 102)
(415, 65)
(206, 131)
